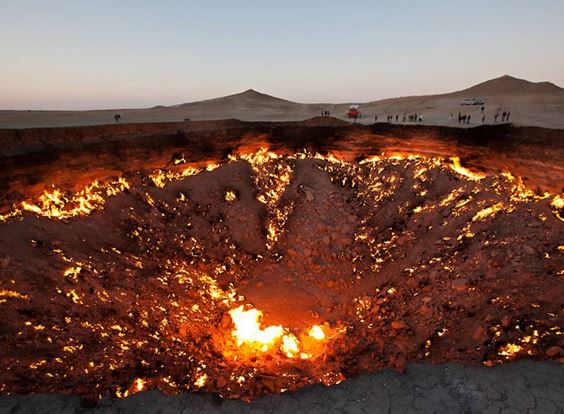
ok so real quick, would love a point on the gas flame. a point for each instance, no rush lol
(316, 332)
(249, 332)
(471, 175)
(247, 329)
(290, 345)
(56, 204)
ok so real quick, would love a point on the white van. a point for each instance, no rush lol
(472, 101)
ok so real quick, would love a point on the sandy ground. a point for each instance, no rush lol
(532, 104)
(522, 387)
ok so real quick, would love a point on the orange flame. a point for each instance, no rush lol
(247, 329)
(248, 332)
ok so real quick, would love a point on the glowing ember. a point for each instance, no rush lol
(230, 196)
(510, 350)
(138, 385)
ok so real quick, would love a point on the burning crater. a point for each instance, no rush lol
(272, 271)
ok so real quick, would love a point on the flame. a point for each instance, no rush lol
(56, 204)
(247, 329)
(249, 332)
(290, 345)
(488, 212)
(510, 350)
(557, 204)
(230, 196)
(73, 272)
(456, 166)
(317, 332)
(201, 380)
(138, 385)
(5, 293)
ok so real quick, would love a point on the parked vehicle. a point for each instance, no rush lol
(353, 112)
(472, 101)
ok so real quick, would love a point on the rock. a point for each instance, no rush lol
(460, 284)
(398, 325)
(496, 262)
(480, 334)
(506, 321)
(326, 240)
(425, 310)
(530, 250)
(309, 195)
(221, 382)
(554, 351)
(411, 282)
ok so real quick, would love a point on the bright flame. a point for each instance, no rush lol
(456, 166)
(247, 329)
(230, 196)
(56, 204)
(138, 385)
(201, 380)
(290, 345)
(488, 212)
(316, 332)
(510, 350)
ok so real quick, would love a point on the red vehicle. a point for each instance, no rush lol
(353, 112)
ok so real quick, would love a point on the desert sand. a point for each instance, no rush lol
(530, 104)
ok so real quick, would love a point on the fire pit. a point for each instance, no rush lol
(272, 269)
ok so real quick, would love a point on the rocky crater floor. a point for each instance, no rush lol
(267, 270)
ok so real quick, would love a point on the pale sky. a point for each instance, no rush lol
(112, 54)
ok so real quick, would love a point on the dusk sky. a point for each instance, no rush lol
(108, 54)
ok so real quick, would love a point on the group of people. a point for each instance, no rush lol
(325, 113)
(411, 118)
(466, 118)
(504, 116)
(117, 118)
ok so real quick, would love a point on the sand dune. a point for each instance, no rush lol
(532, 104)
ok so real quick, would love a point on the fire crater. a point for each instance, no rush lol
(271, 272)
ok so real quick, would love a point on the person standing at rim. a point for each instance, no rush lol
(507, 117)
